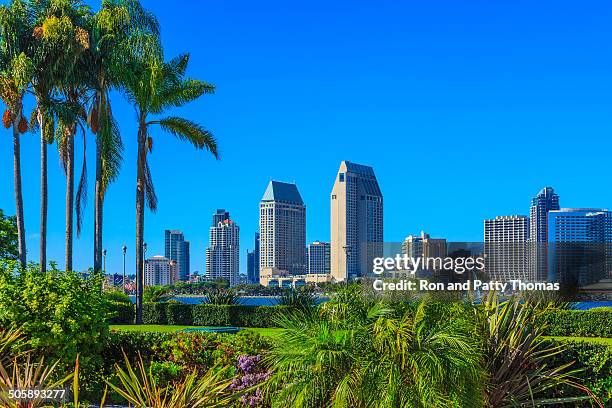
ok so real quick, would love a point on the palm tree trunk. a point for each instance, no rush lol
(69, 195)
(140, 203)
(98, 208)
(18, 196)
(43, 194)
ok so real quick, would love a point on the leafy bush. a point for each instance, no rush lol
(154, 294)
(155, 313)
(121, 313)
(117, 296)
(59, 313)
(178, 314)
(577, 323)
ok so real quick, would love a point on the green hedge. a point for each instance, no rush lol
(210, 315)
(594, 362)
(122, 313)
(578, 323)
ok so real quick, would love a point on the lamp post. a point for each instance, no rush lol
(124, 250)
(104, 255)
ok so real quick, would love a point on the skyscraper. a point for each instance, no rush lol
(282, 225)
(253, 262)
(506, 248)
(319, 258)
(423, 246)
(546, 200)
(160, 270)
(177, 249)
(223, 252)
(580, 242)
(356, 221)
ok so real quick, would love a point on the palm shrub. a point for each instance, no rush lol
(221, 297)
(301, 299)
(377, 359)
(517, 357)
(156, 294)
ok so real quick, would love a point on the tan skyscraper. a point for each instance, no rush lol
(356, 221)
(282, 226)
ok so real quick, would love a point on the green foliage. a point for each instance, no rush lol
(298, 298)
(154, 293)
(577, 323)
(8, 237)
(117, 296)
(155, 313)
(221, 297)
(178, 314)
(121, 313)
(60, 313)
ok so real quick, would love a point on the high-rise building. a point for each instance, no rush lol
(506, 248)
(546, 200)
(423, 246)
(223, 252)
(356, 221)
(160, 270)
(177, 249)
(319, 258)
(253, 262)
(579, 245)
(282, 225)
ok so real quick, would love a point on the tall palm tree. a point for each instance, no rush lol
(155, 87)
(15, 73)
(120, 30)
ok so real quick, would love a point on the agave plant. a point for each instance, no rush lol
(517, 355)
(139, 387)
(28, 375)
(221, 297)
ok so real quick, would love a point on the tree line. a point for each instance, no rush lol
(68, 58)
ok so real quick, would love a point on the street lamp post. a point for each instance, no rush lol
(104, 254)
(124, 250)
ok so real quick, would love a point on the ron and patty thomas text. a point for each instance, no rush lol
(410, 265)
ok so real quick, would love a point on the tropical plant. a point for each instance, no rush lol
(138, 386)
(221, 297)
(155, 87)
(379, 361)
(11, 341)
(9, 249)
(15, 75)
(121, 30)
(298, 298)
(156, 294)
(517, 358)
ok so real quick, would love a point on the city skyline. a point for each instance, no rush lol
(471, 101)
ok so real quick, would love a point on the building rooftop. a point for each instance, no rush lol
(279, 191)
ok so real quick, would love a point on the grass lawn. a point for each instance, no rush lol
(271, 332)
(598, 340)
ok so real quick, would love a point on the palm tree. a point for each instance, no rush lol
(120, 30)
(15, 35)
(155, 87)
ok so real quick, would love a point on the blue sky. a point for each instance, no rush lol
(464, 109)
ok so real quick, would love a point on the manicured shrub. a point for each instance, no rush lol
(155, 313)
(578, 323)
(121, 313)
(211, 315)
(179, 314)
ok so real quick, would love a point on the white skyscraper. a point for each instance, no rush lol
(160, 270)
(223, 252)
(506, 248)
(356, 221)
(282, 226)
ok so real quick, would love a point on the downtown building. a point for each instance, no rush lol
(544, 202)
(579, 245)
(356, 221)
(319, 258)
(253, 262)
(282, 227)
(160, 270)
(507, 254)
(177, 250)
(423, 246)
(223, 252)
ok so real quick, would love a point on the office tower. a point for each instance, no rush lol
(223, 252)
(253, 262)
(177, 249)
(546, 200)
(319, 258)
(506, 248)
(423, 246)
(160, 270)
(219, 216)
(282, 225)
(579, 245)
(356, 221)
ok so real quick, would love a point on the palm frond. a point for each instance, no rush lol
(81, 194)
(189, 131)
(150, 195)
